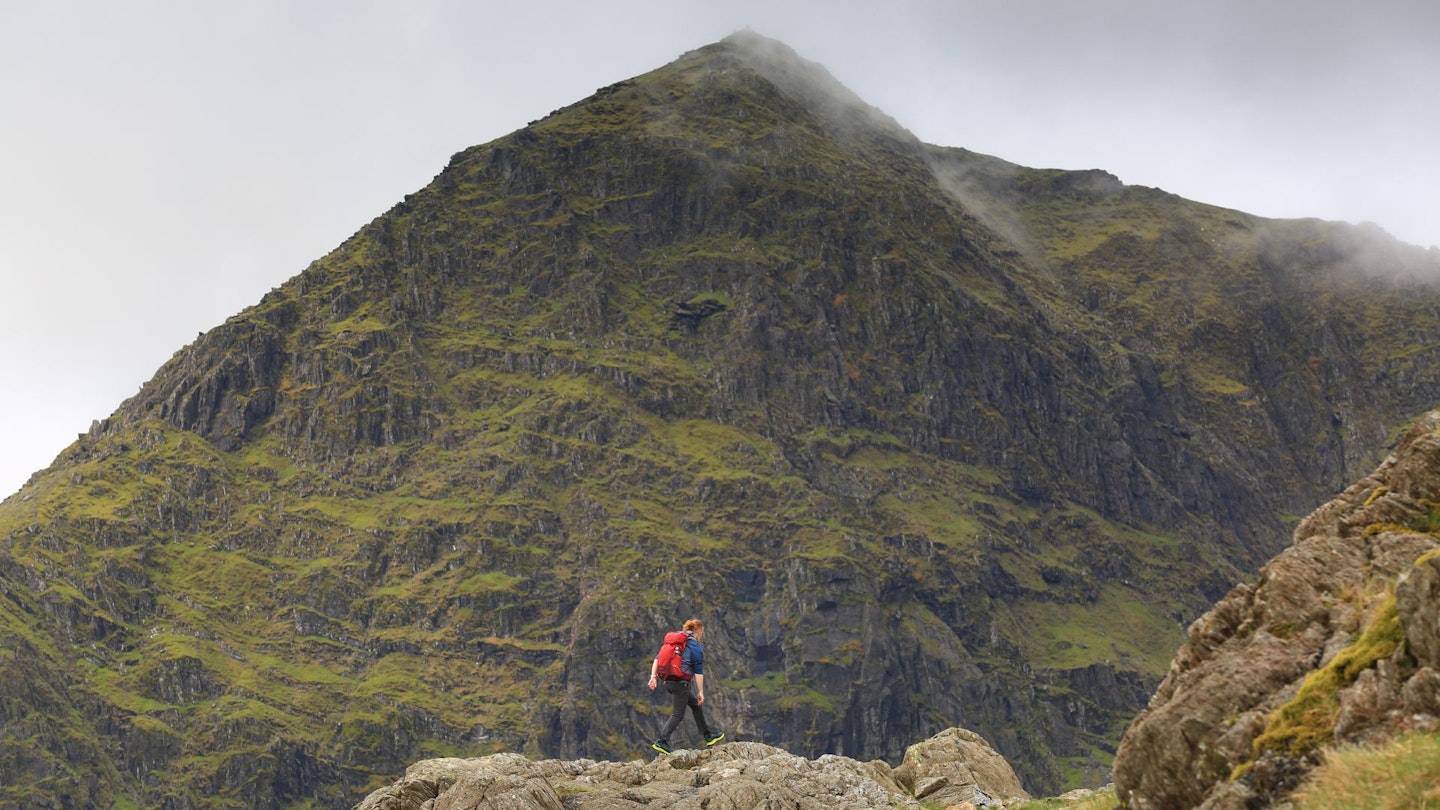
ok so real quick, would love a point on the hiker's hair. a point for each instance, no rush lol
(693, 625)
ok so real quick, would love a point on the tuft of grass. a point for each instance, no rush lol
(1347, 778)
(1427, 522)
(1307, 722)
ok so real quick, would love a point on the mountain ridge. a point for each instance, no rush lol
(694, 346)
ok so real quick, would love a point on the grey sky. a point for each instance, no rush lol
(163, 164)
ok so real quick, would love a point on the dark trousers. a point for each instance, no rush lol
(680, 698)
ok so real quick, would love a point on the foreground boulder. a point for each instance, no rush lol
(953, 767)
(1336, 642)
(957, 766)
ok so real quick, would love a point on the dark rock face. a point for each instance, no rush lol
(1315, 627)
(926, 438)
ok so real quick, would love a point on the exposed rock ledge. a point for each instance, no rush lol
(950, 769)
(1216, 733)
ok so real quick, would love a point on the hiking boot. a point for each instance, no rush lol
(661, 746)
(714, 738)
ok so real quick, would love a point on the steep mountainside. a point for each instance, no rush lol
(927, 439)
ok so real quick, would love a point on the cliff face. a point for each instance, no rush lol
(925, 437)
(1336, 642)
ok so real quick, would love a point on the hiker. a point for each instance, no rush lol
(677, 674)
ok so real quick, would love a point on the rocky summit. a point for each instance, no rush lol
(955, 768)
(928, 439)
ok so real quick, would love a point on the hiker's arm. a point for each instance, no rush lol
(653, 665)
(699, 688)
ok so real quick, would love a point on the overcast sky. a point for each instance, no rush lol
(164, 164)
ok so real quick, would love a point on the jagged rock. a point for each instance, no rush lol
(1417, 598)
(928, 785)
(953, 767)
(1421, 694)
(1367, 705)
(498, 793)
(956, 766)
(426, 780)
(1229, 796)
(1251, 653)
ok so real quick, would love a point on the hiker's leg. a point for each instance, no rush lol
(699, 713)
(679, 699)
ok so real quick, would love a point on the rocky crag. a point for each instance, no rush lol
(955, 768)
(1337, 642)
(929, 439)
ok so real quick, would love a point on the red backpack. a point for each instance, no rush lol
(672, 661)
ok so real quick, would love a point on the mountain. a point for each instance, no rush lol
(925, 437)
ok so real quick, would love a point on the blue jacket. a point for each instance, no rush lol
(695, 654)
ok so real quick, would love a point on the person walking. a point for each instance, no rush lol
(678, 685)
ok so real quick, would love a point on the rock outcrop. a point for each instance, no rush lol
(956, 766)
(953, 767)
(1336, 642)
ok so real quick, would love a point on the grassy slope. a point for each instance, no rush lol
(1347, 777)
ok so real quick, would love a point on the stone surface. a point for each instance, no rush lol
(1250, 654)
(954, 768)
(1417, 597)
(958, 765)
